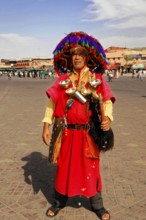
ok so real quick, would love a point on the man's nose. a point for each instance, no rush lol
(77, 56)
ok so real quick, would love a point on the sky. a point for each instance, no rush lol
(33, 28)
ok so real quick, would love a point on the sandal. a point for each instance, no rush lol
(53, 211)
(102, 214)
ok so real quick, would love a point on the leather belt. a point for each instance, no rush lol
(77, 126)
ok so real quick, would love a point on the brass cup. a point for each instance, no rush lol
(73, 92)
(85, 92)
(80, 97)
(70, 91)
(65, 83)
(95, 82)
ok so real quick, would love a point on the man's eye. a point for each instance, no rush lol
(79, 54)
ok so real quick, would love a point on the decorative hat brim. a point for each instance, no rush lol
(62, 58)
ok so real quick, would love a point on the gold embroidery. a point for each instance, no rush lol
(80, 82)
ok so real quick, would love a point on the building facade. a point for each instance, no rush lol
(38, 63)
(28, 63)
(125, 59)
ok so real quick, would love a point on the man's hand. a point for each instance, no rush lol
(106, 124)
(46, 135)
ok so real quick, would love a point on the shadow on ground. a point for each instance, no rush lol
(41, 175)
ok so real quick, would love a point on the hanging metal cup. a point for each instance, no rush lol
(80, 97)
(65, 83)
(85, 92)
(73, 92)
(95, 82)
(70, 91)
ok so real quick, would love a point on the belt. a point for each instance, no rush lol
(77, 126)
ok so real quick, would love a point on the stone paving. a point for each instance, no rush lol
(26, 179)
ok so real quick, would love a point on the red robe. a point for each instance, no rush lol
(77, 174)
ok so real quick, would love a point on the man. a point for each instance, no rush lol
(78, 171)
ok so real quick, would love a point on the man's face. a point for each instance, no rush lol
(78, 61)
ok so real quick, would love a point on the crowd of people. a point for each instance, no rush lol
(111, 74)
(115, 74)
(139, 74)
(42, 74)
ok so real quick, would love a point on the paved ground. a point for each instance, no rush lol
(26, 179)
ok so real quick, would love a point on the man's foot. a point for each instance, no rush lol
(53, 211)
(102, 214)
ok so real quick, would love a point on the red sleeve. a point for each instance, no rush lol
(105, 89)
(53, 91)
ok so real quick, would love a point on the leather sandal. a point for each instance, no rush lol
(53, 211)
(102, 214)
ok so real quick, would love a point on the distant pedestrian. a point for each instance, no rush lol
(133, 73)
(9, 75)
(110, 76)
(140, 75)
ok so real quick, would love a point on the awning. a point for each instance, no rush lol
(44, 72)
(7, 69)
(33, 69)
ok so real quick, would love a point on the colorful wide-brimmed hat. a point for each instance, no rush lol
(62, 57)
